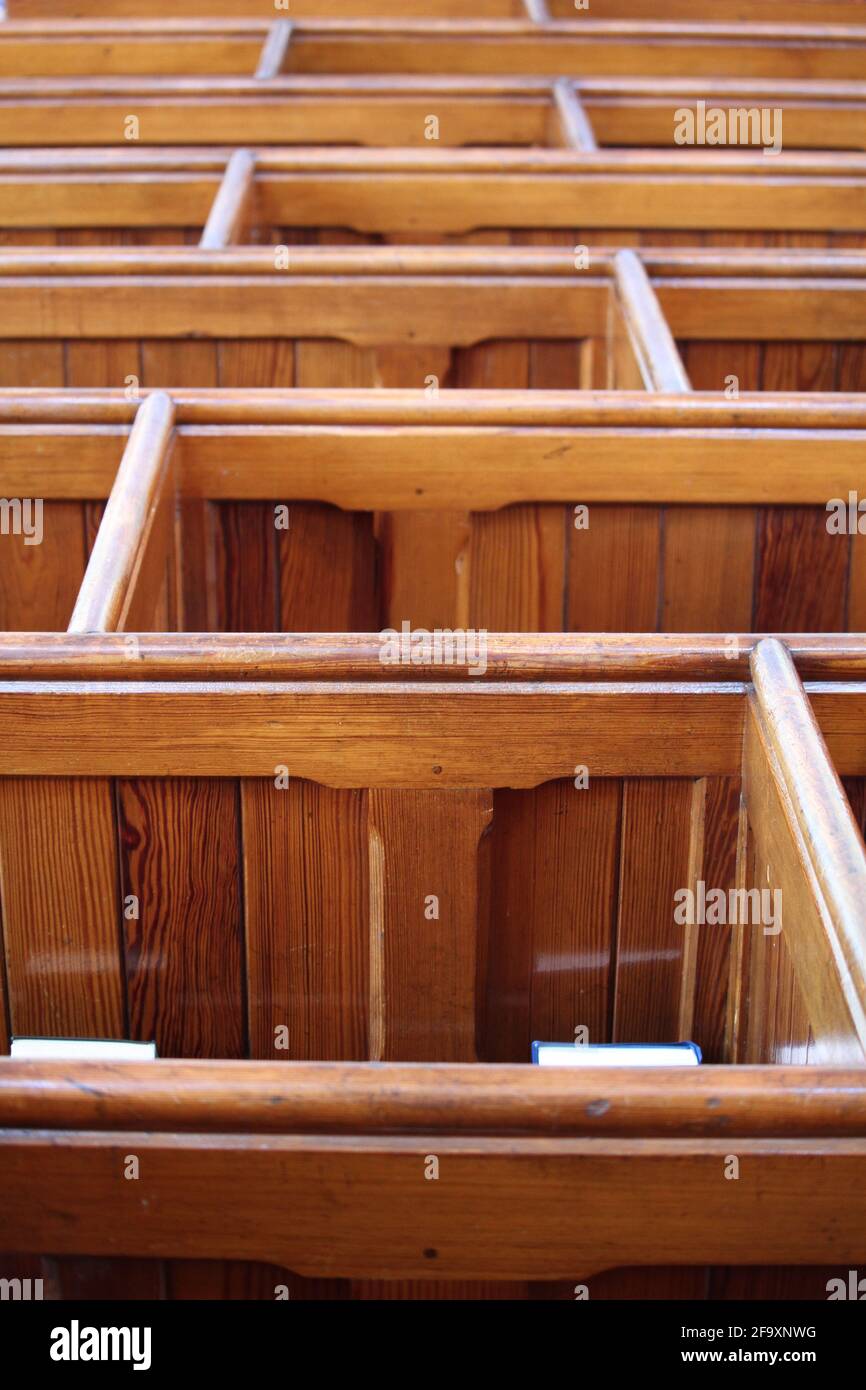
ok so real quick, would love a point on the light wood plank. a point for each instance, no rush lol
(424, 923)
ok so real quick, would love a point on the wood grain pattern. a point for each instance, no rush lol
(623, 543)
(126, 575)
(589, 1204)
(399, 735)
(61, 909)
(548, 955)
(808, 846)
(306, 904)
(39, 582)
(245, 558)
(651, 948)
(709, 562)
(793, 547)
(184, 951)
(719, 868)
(328, 571)
(424, 923)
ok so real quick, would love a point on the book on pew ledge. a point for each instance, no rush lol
(685, 1054)
(81, 1050)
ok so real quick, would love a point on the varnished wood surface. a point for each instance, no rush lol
(354, 656)
(291, 917)
(429, 197)
(589, 1204)
(388, 735)
(592, 46)
(126, 569)
(805, 831)
(801, 11)
(252, 1097)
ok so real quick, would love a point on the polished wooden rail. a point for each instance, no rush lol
(793, 11)
(589, 46)
(394, 110)
(281, 1197)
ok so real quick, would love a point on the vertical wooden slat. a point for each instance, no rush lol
(517, 555)
(58, 874)
(651, 947)
(424, 923)
(245, 547)
(794, 546)
(39, 583)
(328, 571)
(306, 903)
(184, 949)
(553, 875)
(613, 571)
(425, 568)
(719, 869)
(516, 569)
(709, 564)
(424, 554)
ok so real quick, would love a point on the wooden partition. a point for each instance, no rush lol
(314, 510)
(488, 769)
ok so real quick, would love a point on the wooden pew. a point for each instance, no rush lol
(658, 748)
(738, 489)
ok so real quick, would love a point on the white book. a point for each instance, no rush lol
(80, 1050)
(685, 1054)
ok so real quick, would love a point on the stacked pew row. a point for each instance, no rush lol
(275, 395)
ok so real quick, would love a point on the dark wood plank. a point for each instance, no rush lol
(184, 951)
(61, 909)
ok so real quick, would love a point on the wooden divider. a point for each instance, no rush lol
(231, 209)
(807, 847)
(406, 459)
(126, 574)
(274, 50)
(650, 339)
